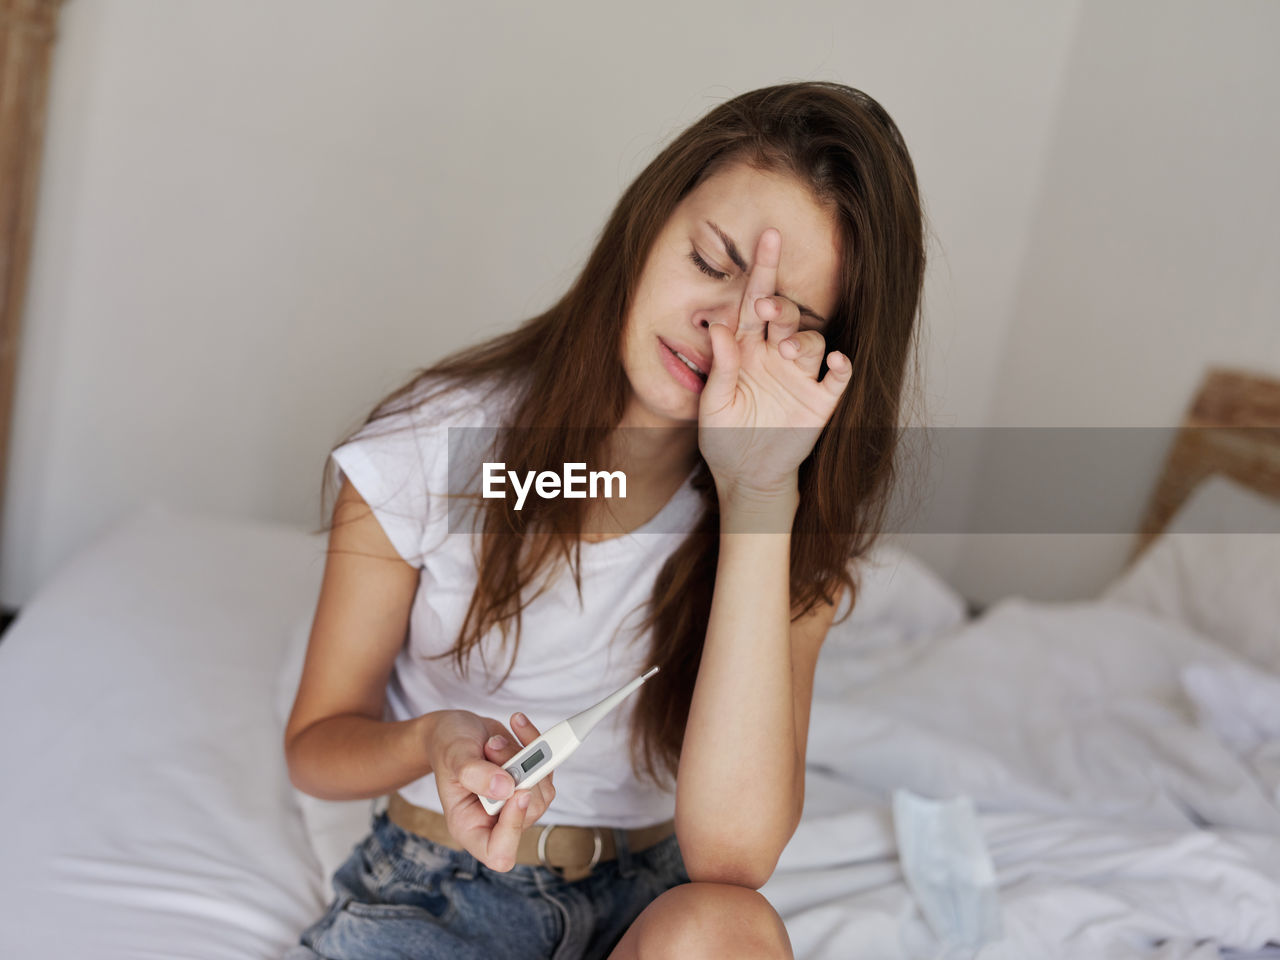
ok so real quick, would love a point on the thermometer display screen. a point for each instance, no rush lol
(532, 761)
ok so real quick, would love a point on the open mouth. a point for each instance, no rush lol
(702, 374)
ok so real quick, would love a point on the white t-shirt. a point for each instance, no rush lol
(571, 654)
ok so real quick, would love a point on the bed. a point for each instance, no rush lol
(1121, 755)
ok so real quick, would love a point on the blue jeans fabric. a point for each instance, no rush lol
(400, 895)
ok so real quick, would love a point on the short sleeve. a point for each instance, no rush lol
(390, 463)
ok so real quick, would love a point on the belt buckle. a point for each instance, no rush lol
(545, 832)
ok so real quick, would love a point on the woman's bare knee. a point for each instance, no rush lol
(696, 920)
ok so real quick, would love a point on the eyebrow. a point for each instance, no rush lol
(735, 255)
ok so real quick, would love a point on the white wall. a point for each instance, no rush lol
(1154, 251)
(256, 219)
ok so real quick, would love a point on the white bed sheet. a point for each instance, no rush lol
(1118, 825)
(146, 811)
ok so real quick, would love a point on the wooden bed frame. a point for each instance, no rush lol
(1233, 428)
(27, 31)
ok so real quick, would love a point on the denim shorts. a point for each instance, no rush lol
(402, 895)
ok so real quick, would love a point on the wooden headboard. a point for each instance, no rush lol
(27, 30)
(1232, 427)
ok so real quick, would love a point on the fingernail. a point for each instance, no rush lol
(522, 719)
(523, 801)
(497, 742)
(498, 786)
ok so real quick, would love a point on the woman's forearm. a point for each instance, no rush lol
(737, 797)
(354, 757)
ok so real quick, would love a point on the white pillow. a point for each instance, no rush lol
(1223, 585)
(897, 587)
(1238, 703)
(333, 827)
(902, 607)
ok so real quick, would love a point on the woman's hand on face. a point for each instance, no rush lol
(467, 760)
(763, 406)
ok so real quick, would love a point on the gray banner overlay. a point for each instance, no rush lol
(948, 480)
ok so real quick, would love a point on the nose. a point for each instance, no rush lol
(724, 310)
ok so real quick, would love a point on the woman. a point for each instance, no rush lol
(736, 345)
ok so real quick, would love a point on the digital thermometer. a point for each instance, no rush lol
(551, 749)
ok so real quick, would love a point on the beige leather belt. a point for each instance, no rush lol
(571, 852)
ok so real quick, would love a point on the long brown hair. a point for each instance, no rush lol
(844, 146)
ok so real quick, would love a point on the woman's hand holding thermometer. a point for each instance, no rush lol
(468, 754)
(465, 755)
(548, 751)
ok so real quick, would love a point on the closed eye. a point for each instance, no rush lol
(706, 267)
